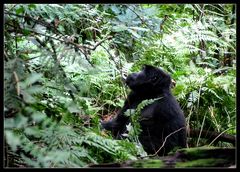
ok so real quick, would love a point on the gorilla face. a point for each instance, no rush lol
(149, 77)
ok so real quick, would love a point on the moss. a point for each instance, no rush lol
(196, 152)
(150, 163)
(210, 162)
(207, 152)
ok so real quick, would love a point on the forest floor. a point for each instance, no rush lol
(184, 158)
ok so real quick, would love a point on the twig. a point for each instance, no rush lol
(164, 142)
(98, 43)
(88, 47)
(41, 22)
(10, 7)
(46, 24)
(32, 58)
(17, 82)
(19, 31)
(119, 69)
(111, 56)
(136, 14)
(201, 130)
(80, 47)
(83, 51)
(211, 135)
(61, 69)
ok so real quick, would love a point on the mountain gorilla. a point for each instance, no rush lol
(162, 122)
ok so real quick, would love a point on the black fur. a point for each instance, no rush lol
(159, 119)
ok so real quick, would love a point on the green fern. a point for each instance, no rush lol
(134, 128)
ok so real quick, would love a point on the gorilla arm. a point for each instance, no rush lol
(118, 124)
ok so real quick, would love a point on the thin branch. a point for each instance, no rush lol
(10, 7)
(32, 58)
(20, 31)
(88, 47)
(212, 135)
(46, 24)
(17, 82)
(83, 51)
(201, 129)
(136, 14)
(111, 56)
(82, 48)
(220, 135)
(164, 142)
(61, 69)
(41, 22)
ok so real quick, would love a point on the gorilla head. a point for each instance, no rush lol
(149, 79)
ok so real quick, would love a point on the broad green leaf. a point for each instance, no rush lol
(138, 28)
(38, 116)
(56, 5)
(151, 11)
(61, 28)
(32, 6)
(34, 77)
(12, 139)
(134, 33)
(129, 112)
(130, 15)
(73, 108)
(9, 123)
(33, 131)
(20, 121)
(115, 9)
(110, 102)
(27, 97)
(119, 28)
(20, 10)
(35, 89)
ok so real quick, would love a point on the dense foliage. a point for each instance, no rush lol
(63, 70)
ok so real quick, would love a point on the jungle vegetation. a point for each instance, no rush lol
(63, 70)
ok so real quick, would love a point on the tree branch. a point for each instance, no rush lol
(143, 22)
(46, 24)
(213, 135)
(41, 22)
(88, 47)
(17, 82)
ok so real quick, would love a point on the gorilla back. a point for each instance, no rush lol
(162, 122)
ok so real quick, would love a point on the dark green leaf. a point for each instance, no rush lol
(20, 10)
